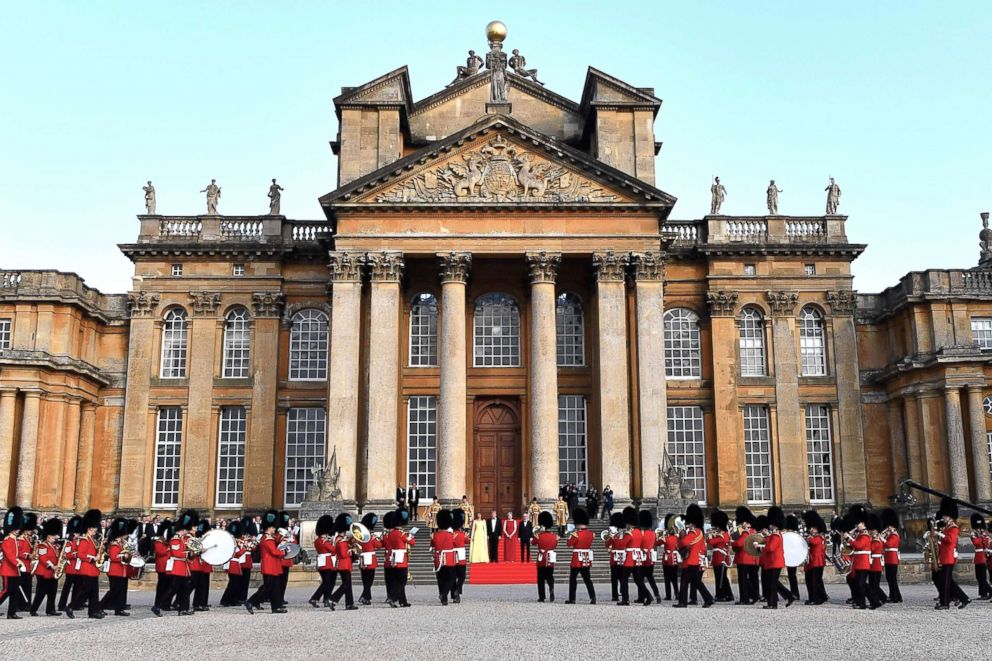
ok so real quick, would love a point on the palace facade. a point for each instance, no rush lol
(498, 301)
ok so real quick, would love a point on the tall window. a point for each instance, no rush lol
(421, 443)
(308, 346)
(497, 331)
(687, 447)
(305, 442)
(812, 346)
(231, 456)
(168, 452)
(757, 454)
(5, 334)
(237, 344)
(752, 342)
(423, 331)
(819, 454)
(981, 332)
(174, 344)
(682, 353)
(572, 453)
(988, 439)
(571, 334)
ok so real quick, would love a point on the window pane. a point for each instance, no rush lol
(981, 332)
(752, 343)
(572, 453)
(231, 456)
(687, 447)
(305, 443)
(308, 346)
(421, 442)
(237, 342)
(168, 452)
(571, 334)
(811, 343)
(174, 344)
(5, 334)
(423, 331)
(682, 352)
(757, 454)
(497, 331)
(819, 454)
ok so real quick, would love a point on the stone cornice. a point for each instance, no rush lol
(649, 266)
(142, 304)
(267, 303)
(782, 303)
(385, 266)
(346, 266)
(610, 266)
(55, 287)
(842, 302)
(721, 303)
(543, 266)
(204, 303)
(455, 266)
(45, 360)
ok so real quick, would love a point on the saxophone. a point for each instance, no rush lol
(60, 565)
(931, 552)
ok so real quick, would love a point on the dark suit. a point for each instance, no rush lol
(494, 528)
(401, 497)
(526, 534)
(412, 501)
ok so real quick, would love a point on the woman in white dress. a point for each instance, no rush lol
(479, 546)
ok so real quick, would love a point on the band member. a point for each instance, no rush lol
(10, 566)
(368, 560)
(47, 556)
(669, 544)
(948, 554)
(177, 566)
(692, 548)
(718, 539)
(547, 542)
(980, 539)
(271, 556)
(200, 573)
(816, 561)
(442, 544)
(397, 544)
(616, 546)
(861, 561)
(118, 569)
(649, 543)
(326, 550)
(561, 514)
(232, 593)
(87, 588)
(890, 550)
(160, 549)
(460, 541)
(747, 564)
(634, 563)
(284, 535)
(580, 541)
(69, 559)
(25, 547)
(345, 547)
(772, 558)
(877, 557)
(251, 546)
(792, 525)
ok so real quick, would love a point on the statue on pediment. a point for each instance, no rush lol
(149, 199)
(496, 63)
(833, 197)
(472, 66)
(717, 195)
(213, 197)
(519, 65)
(275, 198)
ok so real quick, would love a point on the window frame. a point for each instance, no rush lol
(570, 330)
(313, 446)
(421, 444)
(423, 330)
(176, 270)
(812, 342)
(981, 337)
(6, 332)
(489, 308)
(573, 444)
(309, 360)
(751, 342)
(236, 353)
(167, 471)
(232, 435)
(686, 427)
(816, 470)
(689, 341)
(174, 354)
(760, 457)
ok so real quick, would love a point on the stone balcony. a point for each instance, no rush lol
(274, 230)
(929, 285)
(721, 233)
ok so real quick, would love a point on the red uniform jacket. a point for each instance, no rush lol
(324, 546)
(949, 545)
(580, 540)
(397, 540)
(233, 567)
(118, 563)
(343, 550)
(891, 549)
(461, 557)
(272, 556)
(179, 556)
(772, 555)
(247, 561)
(71, 553)
(671, 551)
(695, 542)
(817, 551)
(648, 542)
(443, 544)
(9, 566)
(195, 564)
(861, 556)
(24, 550)
(634, 558)
(546, 541)
(48, 556)
(720, 543)
(161, 549)
(981, 546)
(370, 547)
(742, 557)
(86, 554)
(876, 555)
(617, 546)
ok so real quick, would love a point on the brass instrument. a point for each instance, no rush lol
(60, 565)
(35, 543)
(194, 545)
(101, 551)
(609, 533)
(931, 554)
(676, 526)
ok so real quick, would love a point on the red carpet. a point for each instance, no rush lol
(502, 573)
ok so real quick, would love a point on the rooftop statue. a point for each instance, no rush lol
(833, 197)
(472, 66)
(213, 197)
(496, 62)
(519, 65)
(149, 199)
(717, 195)
(275, 198)
(772, 193)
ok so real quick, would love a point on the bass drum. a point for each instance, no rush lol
(796, 549)
(218, 547)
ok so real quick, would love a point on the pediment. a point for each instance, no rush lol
(392, 88)
(602, 89)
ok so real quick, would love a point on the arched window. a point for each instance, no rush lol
(752, 342)
(308, 346)
(571, 334)
(237, 345)
(812, 342)
(174, 344)
(682, 353)
(423, 331)
(497, 331)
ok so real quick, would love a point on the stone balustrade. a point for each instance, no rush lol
(57, 286)
(775, 230)
(231, 229)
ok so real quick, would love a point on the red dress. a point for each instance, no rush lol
(511, 542)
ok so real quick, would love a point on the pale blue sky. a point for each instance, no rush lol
(891, 98)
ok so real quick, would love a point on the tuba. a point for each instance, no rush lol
(360, 533)
(194, 545)
(676, 526)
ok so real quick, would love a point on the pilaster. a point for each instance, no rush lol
(199, 430)
(452, 414)
(979, 445)
(260, 452)
(649, 268)
(543, 267)
(28, 455)
(790, 436)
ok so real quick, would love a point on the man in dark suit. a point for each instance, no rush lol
(413, 500)
(526, 534)
(494, 528)
(401, 497)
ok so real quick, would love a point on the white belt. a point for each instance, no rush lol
(895, 550)
(396, 556)
(861, 553)
(876, 555)
(620, 556)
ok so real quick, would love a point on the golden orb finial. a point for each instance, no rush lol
(496, 31)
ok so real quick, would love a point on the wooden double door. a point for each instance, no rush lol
(497, 456)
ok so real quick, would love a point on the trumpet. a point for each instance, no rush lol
(608, 533)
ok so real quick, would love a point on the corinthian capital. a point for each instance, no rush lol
(782, 303)
(267, 304)
(722, 303)
(649, 266)
(455, 266)
(543, 266)
(842, 302)
(204, 302)
(385, 266)
(142, 304)
(346, 266)
(609, 266)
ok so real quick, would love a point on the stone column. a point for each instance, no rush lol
(8, 399)
(543, 393)
(790, 435)
(344, 387)
(956, 455)
(452, 413)
(614, 412)
(134, 493)
(850, 436)
(386, 270)
(915, 451)
(196, 480)
(979, 445)
(260, 451)
(84, 468)
(67, 496)
(731, 475)
(649, 272)
(897, 443)
(29, 449)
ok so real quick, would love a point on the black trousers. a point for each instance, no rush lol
(396, 584)
(692, 588)
(793, 581)
(772, 588)
(344, 589)
(269, 591)
(892, 579)
(86, 591)
(26, 583)
(647, 571)
(445, 582)
(615, 574)
(12, 593)
(283, 584)
(493, 548)
(179, 588)
(949, 589)
(116, 597)
(47, 589)
(201, 589)
(693, 577)
(875, 582)
(671, 574)
(754, 577)
(545, 576)
(368, 578)
(461, 572)
(524, 551)
(624, 583)
(745, 594)
(245, 585)
(722, 590)
(232, 593)
(573, 575)
(161, 587)
(864, 591)
(815, 590)
(982, 576)
(68, 587)
(326, 587)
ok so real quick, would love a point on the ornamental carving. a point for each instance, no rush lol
(543, 266)
(721, 303)
(205, 302)
(455, 266)
(346, 266)
(609, 266)
(385, 266)
(142, 304)
(782, 303)
(842, 302)
(267, 303)
(649, 266)
(499, 171)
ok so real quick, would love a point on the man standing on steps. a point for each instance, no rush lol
(494, 528)
(413, 500)
(526, 535)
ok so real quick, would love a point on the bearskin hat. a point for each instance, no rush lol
(188, 520)
(165, 529)
(890, 518)
(132, 525)
(248, 526)
(694, 515)
(387, 520)
(370, 520)
(235, 528)
(630, 516)
(977, 521)
(616, 519)
(545, 519)
(857, 514)
(776, 516)
(580, 516)
(761, 522)
(270, 520)
(202, 527)
(842, 523)
(91, 520)
(13, 520)
(645, 520)
(948, 508)
(325, 525)
(719, 519)
(118, 528)
(743, 515)
(457, 518)
(791, 522)
(403, 517)
(342, 522)
(874, 522)
(72, 526)
(30, 522)
(444, 519)
(812, 519)
(52, 526)
(283, 519)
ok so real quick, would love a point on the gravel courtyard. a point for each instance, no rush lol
(507, 622)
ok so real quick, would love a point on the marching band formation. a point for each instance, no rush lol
(185, 553)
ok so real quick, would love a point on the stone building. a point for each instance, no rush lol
(497, 302)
